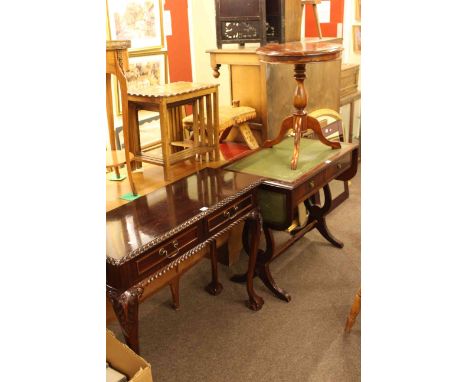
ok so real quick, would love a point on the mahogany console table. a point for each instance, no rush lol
(156, 238)
(281, 193)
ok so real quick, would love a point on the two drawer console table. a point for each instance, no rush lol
(154, 239)
(280, 195)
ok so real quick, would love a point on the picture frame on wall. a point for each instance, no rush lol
(357, 10)
(148, 70)
(357, 38)
(139, 21)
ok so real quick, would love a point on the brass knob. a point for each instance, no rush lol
(227, 214)
(163, 252)
(339, 165)
(312, 184)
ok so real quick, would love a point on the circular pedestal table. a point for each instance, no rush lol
(299, 54)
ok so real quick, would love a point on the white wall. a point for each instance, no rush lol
(350, 57)
(202, 30)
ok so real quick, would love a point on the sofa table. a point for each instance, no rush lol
(280, 195)
(154, 239)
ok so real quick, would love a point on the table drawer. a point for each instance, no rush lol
(338, 167)
(168, 250)
(229, 213)
(312, 185)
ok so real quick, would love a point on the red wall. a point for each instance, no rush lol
(178, 45)
(328, 29)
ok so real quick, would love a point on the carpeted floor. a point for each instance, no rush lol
(219, 339)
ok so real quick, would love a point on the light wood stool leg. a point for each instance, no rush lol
(355, 309)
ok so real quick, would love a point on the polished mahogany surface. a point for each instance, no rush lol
(299, 52)
(135, 224)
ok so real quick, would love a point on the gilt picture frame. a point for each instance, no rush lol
(139, 21)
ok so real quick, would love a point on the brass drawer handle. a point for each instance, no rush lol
(164, 252)
(312, 184)
(227, 213)
(175, 244)
(339, 165)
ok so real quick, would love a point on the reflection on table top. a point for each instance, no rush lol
(135, 224)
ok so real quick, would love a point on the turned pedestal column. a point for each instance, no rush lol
(299, 54)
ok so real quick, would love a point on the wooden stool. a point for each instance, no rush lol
(299, 54)
(314, 7)
(229, 117)
(117, 64)
(169, 100)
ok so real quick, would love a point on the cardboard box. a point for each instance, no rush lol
(121, 358)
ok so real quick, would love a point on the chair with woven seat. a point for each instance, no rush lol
(115, 65)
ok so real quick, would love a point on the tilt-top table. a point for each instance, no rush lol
(299, 54)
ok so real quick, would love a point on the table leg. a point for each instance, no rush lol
(255, 302)
(214, 287)
(125, 306)
(351, 122)
(318, 213)
(262, 268)
(174, 285)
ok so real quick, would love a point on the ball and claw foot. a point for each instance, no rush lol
(214, 288)
(256, 304)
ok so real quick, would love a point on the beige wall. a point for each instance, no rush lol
(203, 37)
(350, 57)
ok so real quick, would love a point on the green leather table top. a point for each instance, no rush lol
(275, 162)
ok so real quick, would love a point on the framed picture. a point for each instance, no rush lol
(139, 21)
(357, 38)
(357, 10)
(148, 70)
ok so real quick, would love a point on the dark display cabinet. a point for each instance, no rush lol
(263, 21)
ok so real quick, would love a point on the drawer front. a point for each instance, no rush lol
(168, 250)
(314, 184)
(229, 213)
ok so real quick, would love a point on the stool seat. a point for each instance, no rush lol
(230, 116)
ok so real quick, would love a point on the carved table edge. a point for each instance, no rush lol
(182, 226)
(138, 288)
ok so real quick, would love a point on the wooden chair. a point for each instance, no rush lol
(115, 65)
(355, 309)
